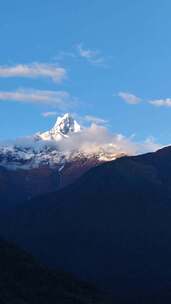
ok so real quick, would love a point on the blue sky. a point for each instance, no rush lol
(98, 59)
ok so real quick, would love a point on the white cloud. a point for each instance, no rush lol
(92, 140)
(47, 114)
(161, 102)
(97, 138)
(92, 56)
(60, 99)
(34, 70)
(133, 99)
(129, 98)
(94, 119)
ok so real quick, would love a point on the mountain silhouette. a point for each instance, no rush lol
(112, 227)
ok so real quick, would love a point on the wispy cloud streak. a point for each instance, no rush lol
(34, 70)
(129, 97)
(133, 99)
(94, 119)
(49, 114)
(92, 56)
(61, 99)
(161, 102)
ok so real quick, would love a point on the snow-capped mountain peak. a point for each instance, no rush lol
(63, 127)
(63, 143)
(66, 124)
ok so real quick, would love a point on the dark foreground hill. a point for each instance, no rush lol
(112, 227)
(24, 281)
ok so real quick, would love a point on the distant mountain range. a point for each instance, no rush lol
(111, 227)
(52, 148)
(47, 161)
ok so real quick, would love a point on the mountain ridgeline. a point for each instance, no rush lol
(46, 161)
(111, 227)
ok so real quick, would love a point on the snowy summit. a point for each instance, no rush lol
(63, 127)
(64, 142)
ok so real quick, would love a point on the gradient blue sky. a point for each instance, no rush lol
(107, 48)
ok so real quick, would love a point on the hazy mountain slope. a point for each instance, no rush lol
(111, 227)
(19, 185)
(24, 281)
